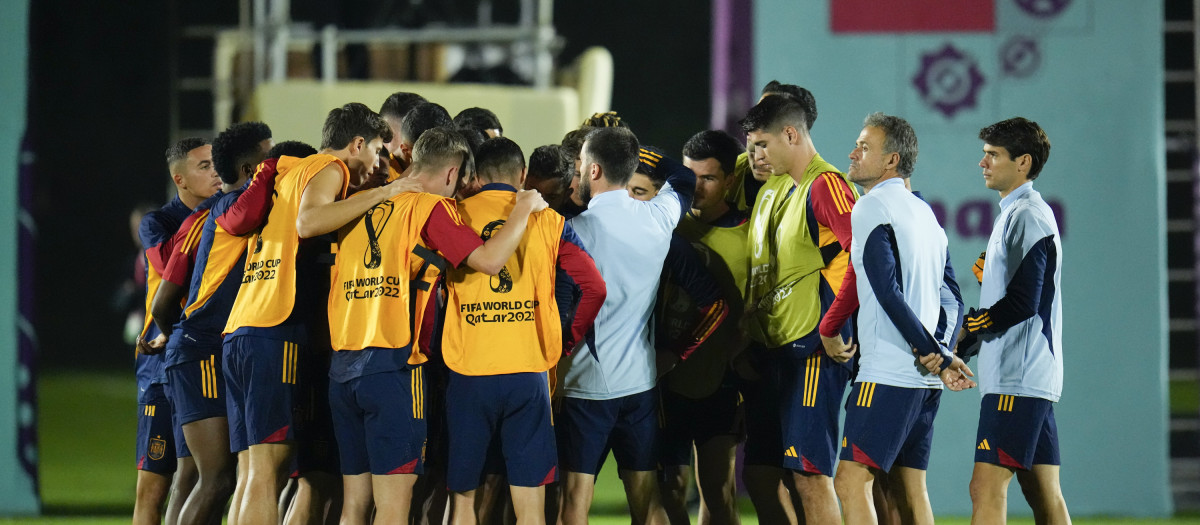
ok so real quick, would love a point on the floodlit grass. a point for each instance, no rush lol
(87, 422)
(1185, 398)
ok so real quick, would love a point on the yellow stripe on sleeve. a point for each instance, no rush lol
(839, 199)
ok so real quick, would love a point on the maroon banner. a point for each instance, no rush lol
(912, 16)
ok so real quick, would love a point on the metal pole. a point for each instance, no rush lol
(260, 41)
(543, 63)
(329, 54)
(280, 23)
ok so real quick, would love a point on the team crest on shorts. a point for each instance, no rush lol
(158, 447)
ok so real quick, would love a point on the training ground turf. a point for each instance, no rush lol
(87, 422)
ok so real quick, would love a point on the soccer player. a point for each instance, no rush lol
(376, 387)
(1020, 359)
(700, 398)
(480, 119)
(199, 268)
(498, 359)
(283, 286)
(901, 251)
(550, 173)
(609, 383)
(751, 175)
(394, 109)
(572, 144)
(799, 230)
(607, 119)
(158, 442)
(423, 116)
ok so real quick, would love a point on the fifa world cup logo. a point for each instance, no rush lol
(501, 282)
(375, 220)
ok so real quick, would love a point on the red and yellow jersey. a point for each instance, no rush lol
(505, 323)
(268, 290)
(370, 302)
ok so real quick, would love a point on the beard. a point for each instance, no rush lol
(585, 192)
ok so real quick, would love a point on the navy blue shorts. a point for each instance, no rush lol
(181, 448)
(512, 407)
(889, 425)
(155, 433)
(688, 421)
(261, 376)
(810, 387)
(235, 406)
(628, 426)
(1016, 432)
(316, 444)
(379, 420)
(760, 401)
(437, 440)
(197, 389)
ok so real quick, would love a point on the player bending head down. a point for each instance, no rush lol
(440, 157)
(550, 172)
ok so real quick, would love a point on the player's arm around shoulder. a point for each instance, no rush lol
(490, 257)
(321, 211)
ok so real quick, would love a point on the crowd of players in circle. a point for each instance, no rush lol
(414, 324)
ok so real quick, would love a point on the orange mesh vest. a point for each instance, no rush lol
(371, 301)
(506, 323)
(268, 290)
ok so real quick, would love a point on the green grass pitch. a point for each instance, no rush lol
(87, 422)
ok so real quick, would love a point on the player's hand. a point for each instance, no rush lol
(962, 332)
(743, 366)
(153, 347)
(931, 362)
(664, 361)
(748, 313)
(838, 349)
(957, 376)
(532, 199)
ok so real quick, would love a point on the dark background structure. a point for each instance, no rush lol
(100, 117)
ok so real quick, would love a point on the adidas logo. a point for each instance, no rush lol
(983, 445)
(791, 452)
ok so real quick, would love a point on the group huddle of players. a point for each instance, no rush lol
(414, 324)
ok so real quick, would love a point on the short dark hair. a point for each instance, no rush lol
(423, 117)
(1020, 136)
(353, 120)
(548, 162)
(499, 159)
(442, 146)
(475, 138)
(236, 145)
(774, 113)
(179, 150)
(616, 151)
(478, 118)
(398, 104)
(899, 137)
(572, 143)
(804, 96)
(608, 119)
(291, 148)
(715, 144)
